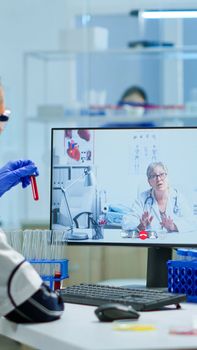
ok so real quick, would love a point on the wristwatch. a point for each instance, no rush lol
(5, 116)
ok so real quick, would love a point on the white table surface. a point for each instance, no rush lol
(80, 329)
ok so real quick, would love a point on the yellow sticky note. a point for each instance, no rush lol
(133, 327)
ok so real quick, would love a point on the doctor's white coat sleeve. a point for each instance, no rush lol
(184, 220)
(132, 220)
(18, 279)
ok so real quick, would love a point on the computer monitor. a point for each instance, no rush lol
(126, 187)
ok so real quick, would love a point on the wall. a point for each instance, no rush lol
(24, 26)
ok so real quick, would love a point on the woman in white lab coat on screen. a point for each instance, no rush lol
(160, 208)
(23, 296)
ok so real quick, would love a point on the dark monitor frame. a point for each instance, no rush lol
(158, 255)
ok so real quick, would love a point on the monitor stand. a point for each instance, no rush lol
(157, 272)
(71, 235)
(77, 236)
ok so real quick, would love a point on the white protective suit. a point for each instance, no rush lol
(18, 279)
(177, 209)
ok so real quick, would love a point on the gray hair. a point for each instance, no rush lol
(153, 165)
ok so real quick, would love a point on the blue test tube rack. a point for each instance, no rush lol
(63, 268)
(182, 278)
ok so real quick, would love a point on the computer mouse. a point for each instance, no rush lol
(111, 312)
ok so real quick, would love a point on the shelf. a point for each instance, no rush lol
(60, 166)
(182, 52)
(158, 118)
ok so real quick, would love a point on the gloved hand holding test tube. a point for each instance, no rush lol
(15, 172)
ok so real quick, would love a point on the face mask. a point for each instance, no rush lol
(137, 111)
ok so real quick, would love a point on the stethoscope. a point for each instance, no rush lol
(149, 201)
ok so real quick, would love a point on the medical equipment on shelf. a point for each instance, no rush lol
(34, 187)
(45, 250)
(150, 199)
(114, 213)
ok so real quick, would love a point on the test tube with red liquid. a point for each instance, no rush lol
(34, 187)
(57, 283)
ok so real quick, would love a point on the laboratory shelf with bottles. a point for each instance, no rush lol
(68, 99)
(106, 50)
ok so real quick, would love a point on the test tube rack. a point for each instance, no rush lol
(52, 265)
(182, 278)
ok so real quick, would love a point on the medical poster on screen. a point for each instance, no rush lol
(78, 146)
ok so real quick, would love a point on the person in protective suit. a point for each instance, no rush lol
(24, 298)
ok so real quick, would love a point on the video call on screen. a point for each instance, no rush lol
(118, 161)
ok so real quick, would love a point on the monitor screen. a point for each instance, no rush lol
(125, 186)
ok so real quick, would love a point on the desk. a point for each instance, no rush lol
(79, 329)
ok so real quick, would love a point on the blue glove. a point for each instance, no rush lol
(15, 172)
